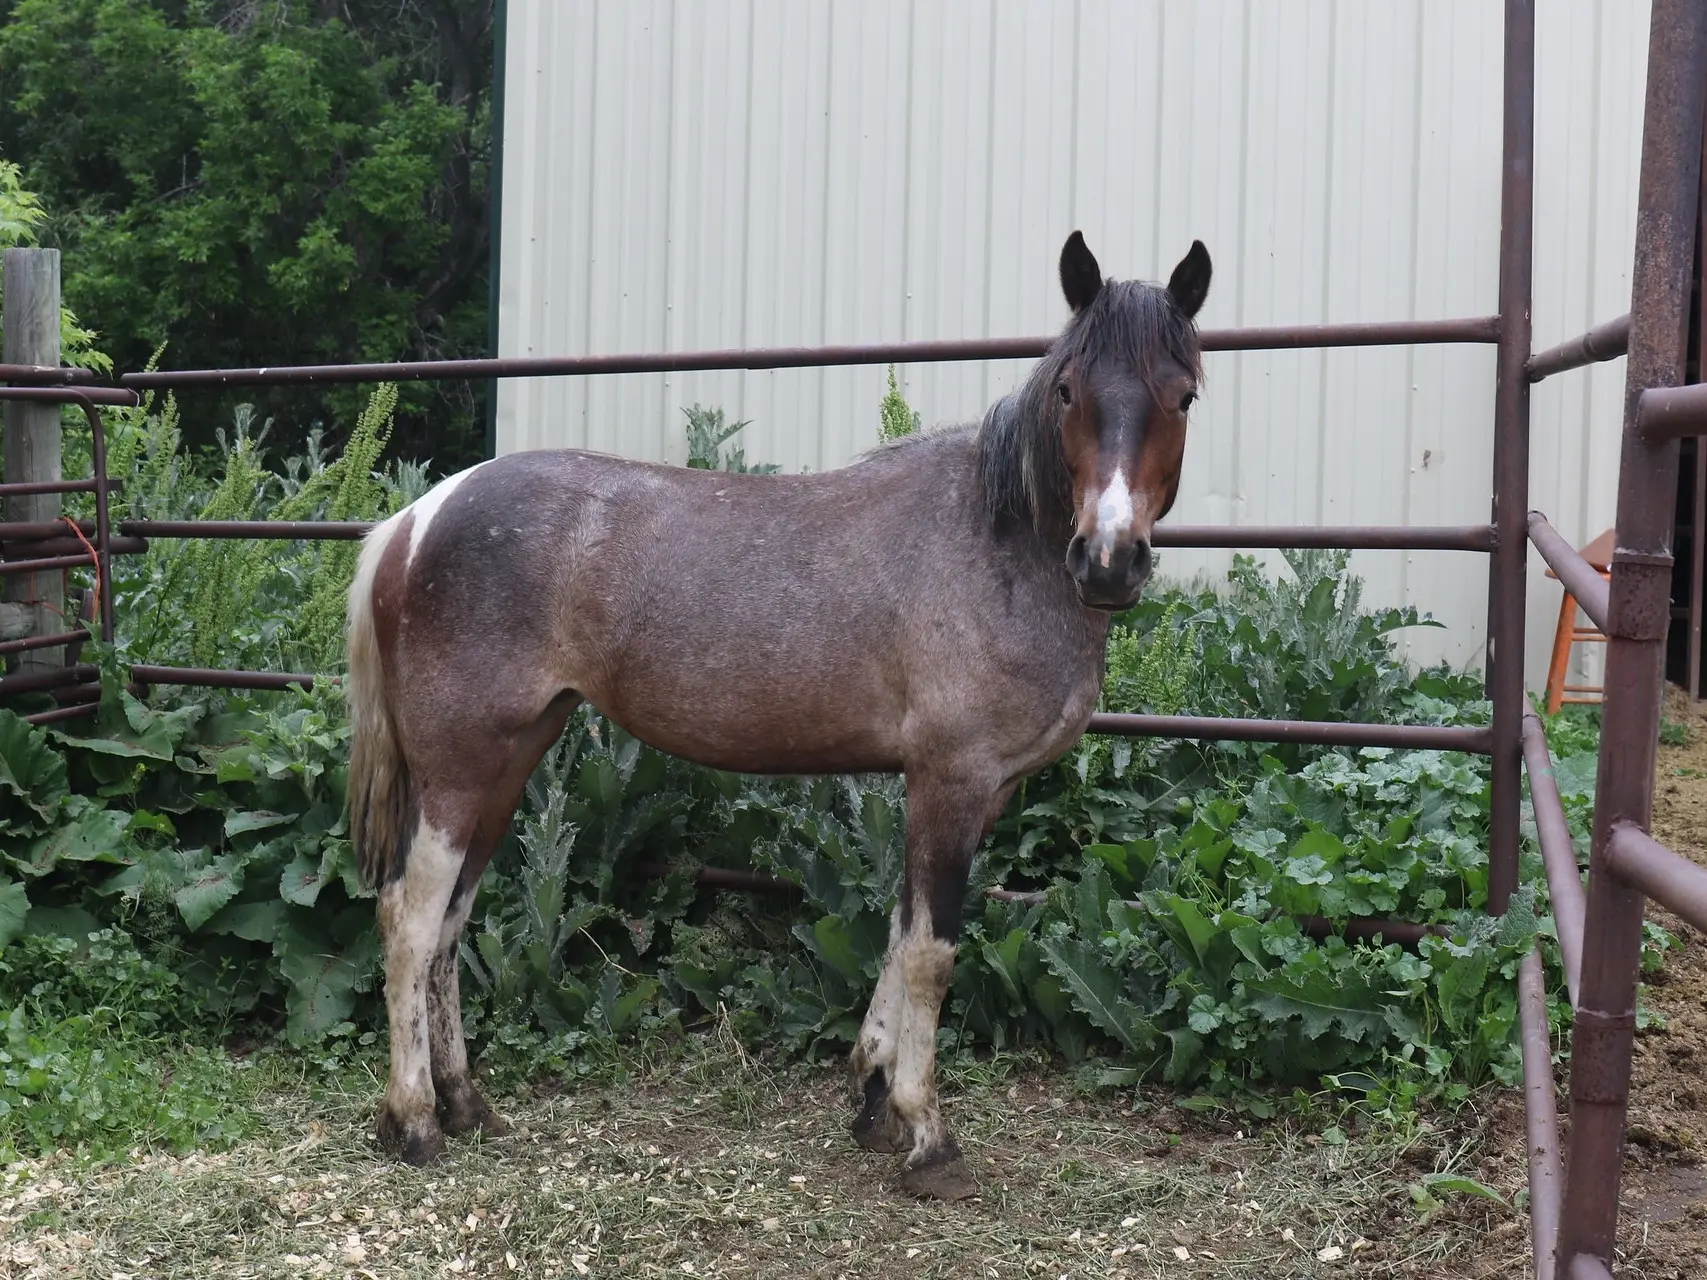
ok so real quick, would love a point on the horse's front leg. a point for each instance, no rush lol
(878, 1127)
(895, 1059)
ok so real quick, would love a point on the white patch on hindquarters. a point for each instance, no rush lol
(1114, 514)
(427, 506)
(374, 546)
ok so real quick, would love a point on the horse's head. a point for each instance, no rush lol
(1121, 380)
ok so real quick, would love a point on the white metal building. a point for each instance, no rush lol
(691, 174)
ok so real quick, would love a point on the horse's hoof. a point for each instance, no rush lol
(883, 1133)
(423, 1149)
(877, 1127)
(944, 1177)
(467, 1111)
(418, 1144)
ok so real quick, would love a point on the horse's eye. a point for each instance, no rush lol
(1189, 400)
(1064, 392)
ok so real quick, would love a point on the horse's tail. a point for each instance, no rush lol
(379, 776)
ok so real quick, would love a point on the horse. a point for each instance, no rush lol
(938, 608)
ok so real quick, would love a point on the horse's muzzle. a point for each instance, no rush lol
(1110, 577)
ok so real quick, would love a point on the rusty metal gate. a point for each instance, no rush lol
(1574, 1194)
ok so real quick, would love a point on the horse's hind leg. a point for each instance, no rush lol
(412, 906)
(461, 1106)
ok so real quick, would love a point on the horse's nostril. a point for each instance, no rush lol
(1140, 569)
(1078, 558)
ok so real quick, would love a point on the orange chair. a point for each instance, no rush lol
(1599, 554)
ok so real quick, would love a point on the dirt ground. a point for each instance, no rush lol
(1663, 1219)
(1665, 1183)
(710, 1166)
(706, 1163)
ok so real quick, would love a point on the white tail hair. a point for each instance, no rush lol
(379, 777)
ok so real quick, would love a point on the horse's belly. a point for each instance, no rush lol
(764, 731)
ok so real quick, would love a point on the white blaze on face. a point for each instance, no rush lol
(1114, 514)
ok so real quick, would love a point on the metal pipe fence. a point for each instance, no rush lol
(1558, 852)
(1277, 337)
(1579, 577)
(1638, 620)
(1603, 342)
(1574, 1202)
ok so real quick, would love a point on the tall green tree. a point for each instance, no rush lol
(266, 182)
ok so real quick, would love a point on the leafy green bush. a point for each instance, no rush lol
(708, 432)
(544, 984)
(217, 835)
(93, 1054)
(1261, 648)
(256, 605)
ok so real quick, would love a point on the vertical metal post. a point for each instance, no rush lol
(1540, 1115)
(103, 515)
(1508, 571)
(31, 285)
(1698, 507)
(1698, 552)
(495, 213)
(1639, 618)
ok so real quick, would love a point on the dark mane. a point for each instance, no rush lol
(1019, 445)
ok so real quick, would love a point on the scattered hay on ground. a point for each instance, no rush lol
(707, 1168)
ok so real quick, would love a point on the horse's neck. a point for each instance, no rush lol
(1042, 559)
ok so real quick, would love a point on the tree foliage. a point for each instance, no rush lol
(21, 217)
(266, 182)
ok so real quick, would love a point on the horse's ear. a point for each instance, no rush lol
(1189, 283)
(1081, 277)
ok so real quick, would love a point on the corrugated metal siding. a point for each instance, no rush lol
(759, 172)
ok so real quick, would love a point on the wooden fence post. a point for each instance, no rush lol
(30, 283)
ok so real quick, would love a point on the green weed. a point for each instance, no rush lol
(895, 417)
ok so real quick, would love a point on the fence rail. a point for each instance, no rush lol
(1558, 852)
(1329, 733)
(1275, 337)
(1668, 878)
(1469, 537)
(1579, 577)
(1541, 1115)
(1669, 413)
(1603, 342)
